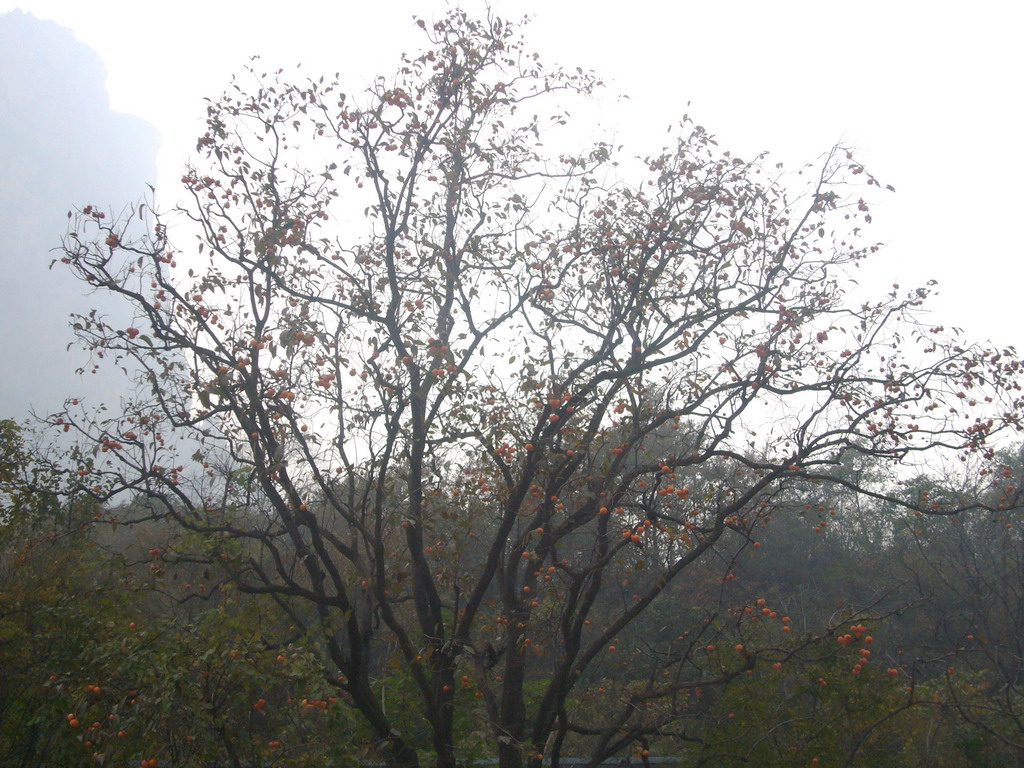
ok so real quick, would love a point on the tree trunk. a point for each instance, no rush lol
(443, 720)
(512, 712)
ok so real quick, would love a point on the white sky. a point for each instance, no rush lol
(930, 93)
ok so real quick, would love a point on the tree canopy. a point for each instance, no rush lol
(472, 412)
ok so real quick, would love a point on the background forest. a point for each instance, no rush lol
(873, 636)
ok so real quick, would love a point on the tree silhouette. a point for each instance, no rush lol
(446, 434)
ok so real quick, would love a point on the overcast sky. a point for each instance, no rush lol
(930, 93)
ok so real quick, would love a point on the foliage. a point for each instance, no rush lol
(101, 666)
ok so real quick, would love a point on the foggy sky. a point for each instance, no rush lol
(928, 99)
(61, 147)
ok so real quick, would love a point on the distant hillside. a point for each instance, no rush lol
(61, 146)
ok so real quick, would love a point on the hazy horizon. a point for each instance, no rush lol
(61, 147)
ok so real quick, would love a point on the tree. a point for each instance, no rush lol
(448, 436)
